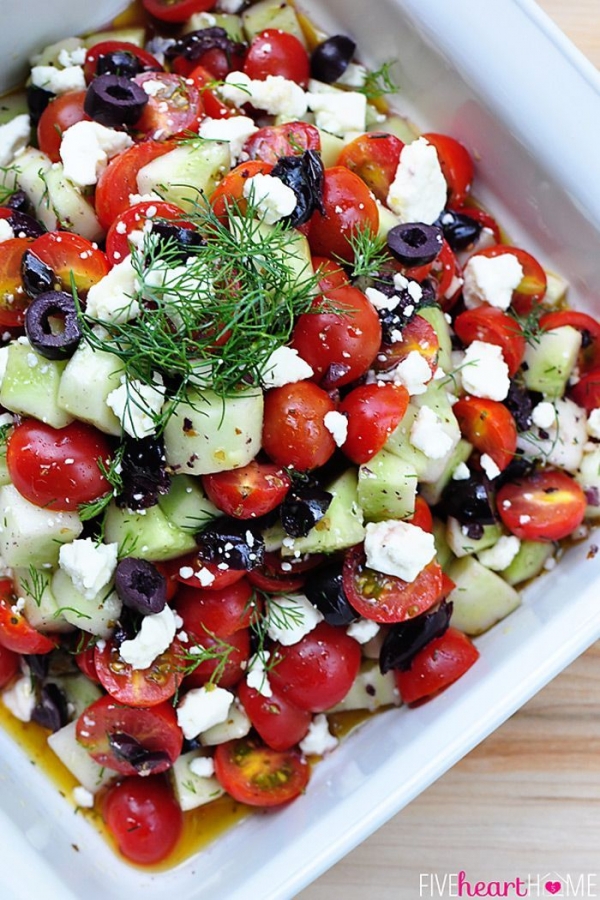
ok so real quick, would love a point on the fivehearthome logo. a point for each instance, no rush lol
(548, 884)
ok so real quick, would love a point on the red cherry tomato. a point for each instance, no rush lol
(103, 48)
(340, 346)
(419, 336)
(331, 275)
(203, 571)
(586, 392)
(276, 52)
(144, 818)
(489, 426)
(259, 776)
(423, 519)
(138, 218)
(440, 663)
(444, 272)
(176, 10)
(279, 723)
(139, 687)
(229, 193)
(374, 157)
(16, 633)
(99, 727)
(9, 664)
(349, 207)
(486, 323)
(589, 356)
(219, 611)
(533, 285)
(13, 298)
(250, 491)
(85, 658)
(60, 114)
(57, 468)
(213, 106)
(456, 163)
(227, 657)
(71, 258)
(545, 506)
(119, 180)
(274, 141)
(294, 433)
(386, 598)
(480, 215)
(317, 672)
(174, 109)
(373, 412)
(280, 576)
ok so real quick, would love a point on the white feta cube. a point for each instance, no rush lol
(86, 147)
(14, 136)
(154, 637)
(484, 372)
(90, 566)
(491, 279)
(419, 191)
(284, 366)
(272, 199)
(398, 548)
(202, 708)
(290, 617)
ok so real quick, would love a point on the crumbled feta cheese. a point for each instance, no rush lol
(336, 424)
(284, 366)
(83, 798)
(461, 472)
(257, 676)
(491, 279)
(205, 577)
(14, 136)
(86, 148)
(543, 415)
(90, 566)
(319, 739)
(6, 232)
(202, 766)
(363, 630)
(563, 443)
(354, 75)
(235, 130)
(380, 300)
(272, 198)
(58, 81)
(500, 556)
(290, 617)
(427, 434)
(137, 405)
(484, 372)
(398, 548)
(230, 6)
(153, 87)
(201, 708)
(134, 199)
(414, 372)
(274, 94)
(418, 192)
(75, 57)
(112, 299)
(593, 424)
(20, 699)
(489, 466)
(154, 637)
(338, 112)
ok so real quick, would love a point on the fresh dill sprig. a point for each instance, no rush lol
(370, 252)
(112, 473)
(379, 82)
(218, 652)
(529, 324)
(4, 429)
(35, 584)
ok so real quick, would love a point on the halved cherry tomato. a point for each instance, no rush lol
(489, 426)
(545, 506)
(229, 193)
(119, 180)
(589, 355)
(220, 612)
(138, 218)
(259, 776)
(148, 62)
(419, 336)
(281, 576)
(279, 723)
(586, 392)
(71, 258)
(274, 141)
(16, 633)
(250, 491)
(60, 114)
(445, 272)
(374, 157)
(423, 519)
(331, 275)
(84, 658)
(213, 106)
(139, 687)
(440, 663)
(13, 299)
(341, 345)
(294, 433)
(532, 287)
(100, 726)
(9, 665)
(349, 207)
(456, 163)
(277, 52)
(176, 10)
(174, 109)
(202, 571)
(491, 325)
(386, 598)
(226, 660)
(373, 412)
(144, 818)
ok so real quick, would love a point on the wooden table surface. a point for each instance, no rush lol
(527, 800)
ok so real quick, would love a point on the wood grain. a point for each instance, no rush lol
(527, 800)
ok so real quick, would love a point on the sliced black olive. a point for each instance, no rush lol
(414, 243)
(38, 99)
(120, 62)
(195, 44)
(114, 100)
(324, 589)
(333, 375)
(38, 664)
(520, 403)
(330, 59)
(232, 544)
(42, 314)
(469, 500)
(405, 639)
(24, 225)
(18, 201)
(460, 230)
(51, 709)
(178, 239)
(303, 507)
(141, 586)
(143, 473)
(38, 278)
(305, 176)
(127, 749)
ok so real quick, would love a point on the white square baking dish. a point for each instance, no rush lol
(502, 79)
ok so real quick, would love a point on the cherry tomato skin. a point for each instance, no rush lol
(60, 114)
(440, 663)
(423, 519)
(155, 728)
(16, 633)
(119, 180)
(219, 611)
(386, 598)
(480, 215)
(71, 258)
(374, 157)
(276, 52)
(9, 664)
(229, 193)
(175, 109)
(221, 578)
(139, 687)
(144, 818)
(373, 412)
(136, 218)
(586, 392)
(331, 275)
(417, 336)
(176, 10)
(13, 298)
(103, 48)
(589, 355)
(294, 433)
(545, 506)
(279, 723)
(233, 670)
(532, 288)
(489, 426)
(274, 141)
(254, 774)
(248, 492)
(280, 576)
(340, 346)
(349, 207)
(456, 164)
(36, 459)
(213, 106)
(316, 672)
(85, 663)
(491, 325)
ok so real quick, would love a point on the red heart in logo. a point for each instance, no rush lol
(553, 887)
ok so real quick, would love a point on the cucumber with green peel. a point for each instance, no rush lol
(341, 526)
(387, 220)
(399, 126)
(31, 535)
(444, 554)
(97, 615)
(71, 209)
(186, 505)
(28, 174)
(188, 173)
(41, 609)
(588, 477)
(147, 534)
(529, 562)
(462, 545)
(191, 790)
(432, 493)
(550, 360)
(134, 35)
(481, 597)
(387, 488)
(78, 761)
(79, 691)
(271, 14)
(12, 105)
(30, 385)
(370, 690)
(87, 380)
(437, 319)
(230, 23)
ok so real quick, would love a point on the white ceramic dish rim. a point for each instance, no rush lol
(355, 791)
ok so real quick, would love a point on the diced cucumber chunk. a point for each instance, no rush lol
(232, 24)
(71, 209)
(96, 616)
(562, 443)
(444, 554)
(271, 14)
(529, 561)
(589, 479)
(31, 535)
(77, 760)
(30, 385)
(49, 55)
(481, 597)
(147, 534)
(87, 380)
(79, 691)
(370, 690)
(387, 488)
(436, 318)
(549, 361)
(294, 253)
(13, 105)
(387, 220)
(41, 607)
(432, 493)
(186, 505)
(236, 725)
(397, 125)
(331, 147)
(193, 790)
(341, 526)
(186, 173)
(462, 545)
(135, 35)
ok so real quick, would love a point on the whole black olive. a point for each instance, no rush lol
(305, 176)
(179, 240)
(48, 342)
(141, 586)
(51, 709)
(143, 473)
(195, 44)
(330, 59)
(460, 230)
(414, 243)
(302, 507)
(128, 749)
(469, 500)
(405, 639)
(24, 225)
(38, 278)
(38, 99)
(520, 403)
(325, 590)
(18, 201)
(120, 62)
(114, 100)
(231, 544)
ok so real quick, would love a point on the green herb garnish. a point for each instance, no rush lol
(379, 82)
